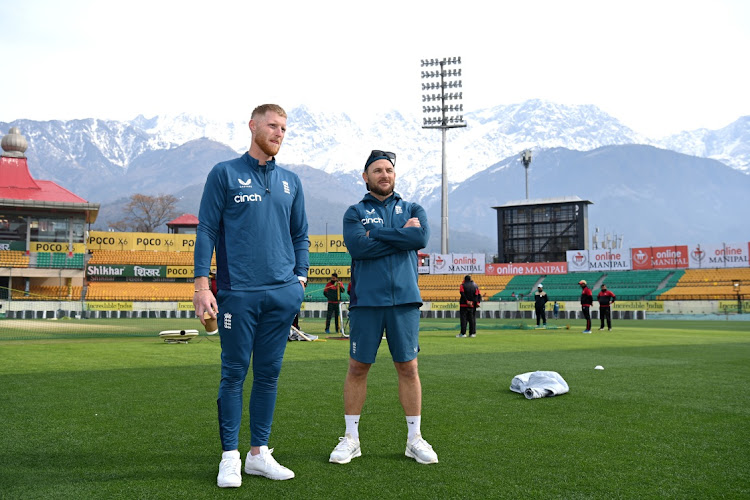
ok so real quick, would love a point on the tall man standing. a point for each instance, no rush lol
(383, 233)
(586, 300)
(469, 300)
(253, 214)
(332, 292)
(540, 302)
(605, 298)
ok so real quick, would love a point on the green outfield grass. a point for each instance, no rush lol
(128, 416)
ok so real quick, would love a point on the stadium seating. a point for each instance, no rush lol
(59, 260)
(562, 287)
(13, 258)
(671, 283)
(635, 285)
(445, 287)
(140, 291)
(520, 285)
(690, 284)
(709, 284)
(45, 292)
(330, 259)
(142, 257)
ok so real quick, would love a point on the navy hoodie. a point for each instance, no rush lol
(384, 265)
(254, 216)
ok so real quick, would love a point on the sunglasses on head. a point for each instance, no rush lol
(391, 156)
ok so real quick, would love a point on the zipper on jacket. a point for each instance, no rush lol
(388, 223)
(265, 177)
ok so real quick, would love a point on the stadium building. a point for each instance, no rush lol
(52, 267)
(42, 228)
(541, 230)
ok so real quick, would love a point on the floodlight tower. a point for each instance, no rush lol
(438, 114)
(526, 159)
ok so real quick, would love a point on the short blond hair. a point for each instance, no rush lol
(265, 108)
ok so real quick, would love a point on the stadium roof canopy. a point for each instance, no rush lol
(545, 201)
(18, 189)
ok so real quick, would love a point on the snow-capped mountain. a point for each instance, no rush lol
(180, 128)
(336, 144)
(578, 150)
(729, 145)
(81, 153)
(84, 152)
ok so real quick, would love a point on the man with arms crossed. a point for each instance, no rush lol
(253, 213)
(383, 233)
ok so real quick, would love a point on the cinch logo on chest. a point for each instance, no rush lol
(242, 198)
(371, 220)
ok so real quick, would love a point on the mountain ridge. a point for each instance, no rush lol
(105, 161)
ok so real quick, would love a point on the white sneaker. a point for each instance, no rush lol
(421, 451)
(263, 464)
(347, 449)
(473, 335)
(460, 336)
(230, 470)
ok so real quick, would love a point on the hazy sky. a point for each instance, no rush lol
(659, 66)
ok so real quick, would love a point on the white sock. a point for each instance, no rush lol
(352, 426)
(230, 454)
(413, 425)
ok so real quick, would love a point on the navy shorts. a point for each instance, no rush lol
(400, 324)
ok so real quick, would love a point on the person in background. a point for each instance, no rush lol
(586, 300)
(252, 214)
(332, 292)
(606, 299)
(383, 233)
(468, 303)
(540, 302)
(556, 309)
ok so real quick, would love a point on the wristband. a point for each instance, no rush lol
(201, 289)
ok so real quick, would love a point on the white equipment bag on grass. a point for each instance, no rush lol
(539, 384)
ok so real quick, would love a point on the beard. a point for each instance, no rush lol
(380, 191)
(267, 146)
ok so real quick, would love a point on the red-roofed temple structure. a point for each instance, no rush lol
(38, 219)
